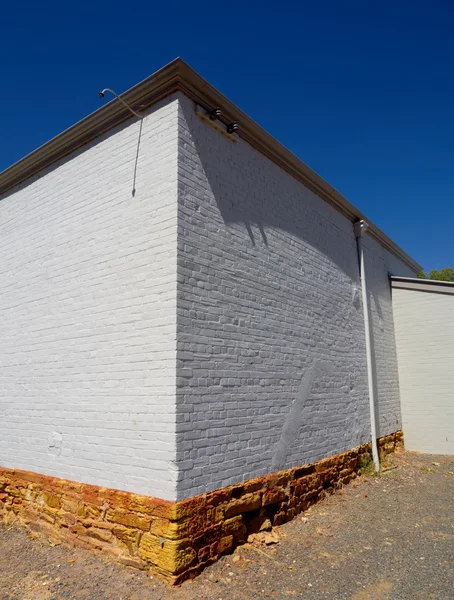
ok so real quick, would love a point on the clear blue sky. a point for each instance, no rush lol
(363, 92)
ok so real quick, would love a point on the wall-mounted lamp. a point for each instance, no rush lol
(232, 127)
(215, 114)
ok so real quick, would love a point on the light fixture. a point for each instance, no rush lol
(232, 127)
(103, 92)
(215, 114)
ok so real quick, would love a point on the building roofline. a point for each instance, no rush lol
(179, 76)
(422, 285)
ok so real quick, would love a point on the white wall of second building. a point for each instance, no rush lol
(88, 312)
(425, 349)
(271, 365)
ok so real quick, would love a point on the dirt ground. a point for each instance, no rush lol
(382, 537)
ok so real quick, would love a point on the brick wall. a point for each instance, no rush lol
(222, 285)
(271, 367)
(379, 264)
(88, 314)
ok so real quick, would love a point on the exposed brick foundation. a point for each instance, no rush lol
(174, 539)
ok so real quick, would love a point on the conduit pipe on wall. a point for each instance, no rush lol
(360, 228)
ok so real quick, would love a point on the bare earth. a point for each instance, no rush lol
(383, 537)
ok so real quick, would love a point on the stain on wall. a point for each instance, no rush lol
(301, 411)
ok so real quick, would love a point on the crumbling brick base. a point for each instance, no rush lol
(175, 540)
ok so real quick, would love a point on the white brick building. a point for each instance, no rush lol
(185, 314)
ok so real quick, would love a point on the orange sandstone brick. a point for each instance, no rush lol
(128, 519)
(246, 503)
(224, 544)
(51, 500)
(273, 496)
(236, 527)
(173, 556)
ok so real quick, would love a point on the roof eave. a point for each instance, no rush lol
(179, 76)
(422, 285)
(144, 94)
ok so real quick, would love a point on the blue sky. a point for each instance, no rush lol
(362, 92)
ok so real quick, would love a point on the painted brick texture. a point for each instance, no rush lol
(201, 332)
(379, 265)
(271, 369)
(88, 313)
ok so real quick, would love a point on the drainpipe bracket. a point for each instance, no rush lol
(360, 228)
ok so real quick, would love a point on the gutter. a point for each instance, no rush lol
(178, 76)
(422, 285)
(360, 228)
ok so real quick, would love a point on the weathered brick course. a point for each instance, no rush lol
(173, 539)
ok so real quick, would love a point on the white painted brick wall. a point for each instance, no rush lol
(425, 349)
(223, 285)
(379, 264)
(88, 313)
(271, 369)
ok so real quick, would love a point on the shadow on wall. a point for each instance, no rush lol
(302, 411)
(276, 201)
(384, 357)
(252, 191)
(257, 200)
(297, 243)
(374, 365)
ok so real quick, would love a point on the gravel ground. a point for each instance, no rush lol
(383, 537)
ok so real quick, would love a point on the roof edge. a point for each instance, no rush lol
(179, 76)
(422, 285)
(141, 96)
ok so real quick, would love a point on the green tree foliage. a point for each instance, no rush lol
(446, 274)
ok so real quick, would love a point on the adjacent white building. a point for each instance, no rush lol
(424, 326)
(181, 303)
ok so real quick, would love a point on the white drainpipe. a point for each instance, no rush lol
(360, 228)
